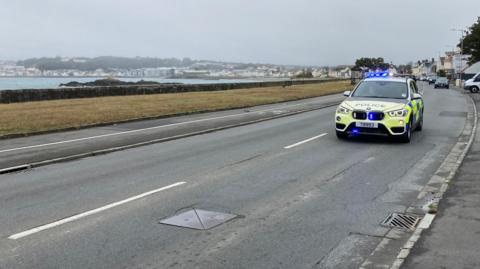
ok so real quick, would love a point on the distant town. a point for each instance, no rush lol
(452, 62)
(65, 67)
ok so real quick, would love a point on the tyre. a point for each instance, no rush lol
(420, 123)
(341, 135)
(406, 137)
(474, 89)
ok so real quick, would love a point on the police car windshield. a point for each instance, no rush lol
(382, 89)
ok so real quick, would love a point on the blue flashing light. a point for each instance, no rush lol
(377, 74)
(355, 131)
(370, 116)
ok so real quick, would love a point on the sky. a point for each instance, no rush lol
(297, 32)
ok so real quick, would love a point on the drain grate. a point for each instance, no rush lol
(401, 221)
(198, 219)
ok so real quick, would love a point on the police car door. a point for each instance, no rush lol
(415, 104)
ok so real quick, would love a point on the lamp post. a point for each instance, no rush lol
(461, 51)
(438, 63)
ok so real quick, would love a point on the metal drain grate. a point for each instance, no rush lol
(198, 219)
(401, 221)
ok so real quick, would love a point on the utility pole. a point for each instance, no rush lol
(461, 52)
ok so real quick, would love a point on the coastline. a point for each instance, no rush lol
(52, 82)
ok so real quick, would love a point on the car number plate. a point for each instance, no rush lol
(367, 124)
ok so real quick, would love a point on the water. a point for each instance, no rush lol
(13, 83)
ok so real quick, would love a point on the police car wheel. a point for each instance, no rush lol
(405, 138)
(474, 89)
(420, 124)
(341, 135)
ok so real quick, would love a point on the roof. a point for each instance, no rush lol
(473, 69)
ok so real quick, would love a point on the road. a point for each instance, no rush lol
(303, 198)
(42, 149)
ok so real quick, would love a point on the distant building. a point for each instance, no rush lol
(452, 63)
(195, 73)
(340, 72)
(320, 72)
(162, 72)
(460, 62)
(424, 68)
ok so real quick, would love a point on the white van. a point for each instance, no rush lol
(473, 84)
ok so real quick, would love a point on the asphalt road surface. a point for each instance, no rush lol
(41, 148)
(303, 198)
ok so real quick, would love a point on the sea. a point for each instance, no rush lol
(15, 83)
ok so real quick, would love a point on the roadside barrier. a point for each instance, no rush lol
(18, 96)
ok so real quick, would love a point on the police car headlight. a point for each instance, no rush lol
(398, 113)
(343, 110)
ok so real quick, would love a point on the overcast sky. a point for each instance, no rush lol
(306, 32)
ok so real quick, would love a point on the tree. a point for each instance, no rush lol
(305, 73)
(371, 63)
(441, 73)
(471, 42)
(405, 68)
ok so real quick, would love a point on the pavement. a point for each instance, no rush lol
(453, 240)
(303, 198)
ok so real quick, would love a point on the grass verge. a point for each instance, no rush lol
(35, 117)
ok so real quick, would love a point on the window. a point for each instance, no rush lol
(413, 86)
(382, 89)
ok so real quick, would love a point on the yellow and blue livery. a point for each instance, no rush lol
(381, 105)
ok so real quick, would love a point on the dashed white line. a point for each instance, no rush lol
(305, 141)
(144, 129)
(91, 212)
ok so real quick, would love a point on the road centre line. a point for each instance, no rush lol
(145, 129)
(90, 212)
(305, 141)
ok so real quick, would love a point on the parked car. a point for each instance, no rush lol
(441, 82)
(473, 84)
(431, 80)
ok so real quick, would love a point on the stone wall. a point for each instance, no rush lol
(17, 96)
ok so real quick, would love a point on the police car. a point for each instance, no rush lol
(381, 105)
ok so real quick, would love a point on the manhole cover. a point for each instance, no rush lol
(401, 221)
(460, 114)
(198, 219)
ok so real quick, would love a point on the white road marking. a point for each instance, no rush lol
(143, 129)
(91, 212)
(305, 141)
(426, 221)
